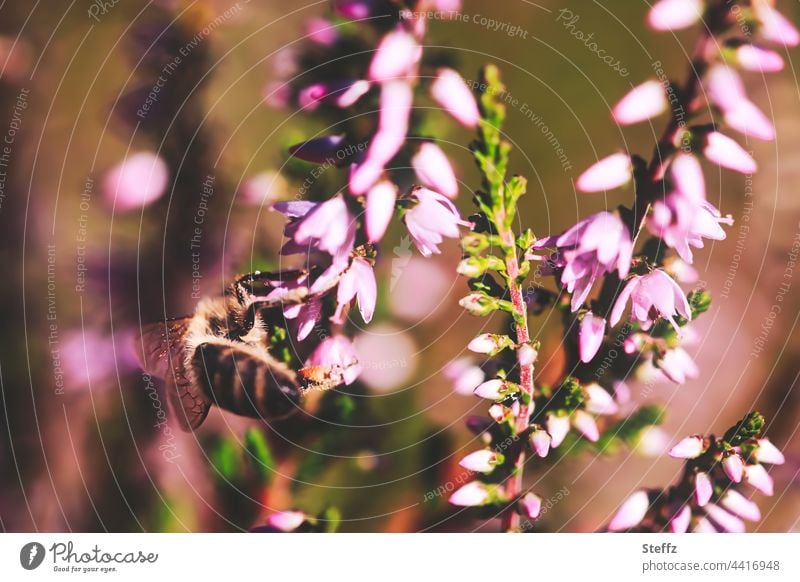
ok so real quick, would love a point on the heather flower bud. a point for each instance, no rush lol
(757, 477)
(380, 206)
(434, 170)
(470, 495)
(586, 425)
(738, 504)
(703, 489)
(531, 505)
(733, 467)
(489, 343)
(286, 521)
(498, 412)
(481, 461)
(725, 520)
(725, 152)
(760, 60)
(590, 336)
(451, 92)
(641, 103)
(472, 267)
(137, 181)
(631, 512)
(464, 375)
(479, 304)
(774, 25)
(768, 453)
(689, 448)
(680, 521)
(599, 401)
(540, 441)
(526, 355)
(395, 57)
(557, 427)
(612, 172)
(675, 14)
(494, 390)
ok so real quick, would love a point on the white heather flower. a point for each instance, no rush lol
(557, 427)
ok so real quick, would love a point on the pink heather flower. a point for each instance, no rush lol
(137, 181)
(354, 9)
(540, 440)
(434, 170)
(395, 109)
(675, 14)
(337, 352)
(641, 103)
(677, 365)
(733, 467)
(321, 31)
(445, 5)
(598, 244)
(342, 94)
(726, 90)
(702, 525)
(318, 150)
(464, 375)
(531, 505)
(738, 504)
(480, 461)
(689, 448)
(264, 188)
(612, 172)
(470, 495)
(358, 281)
(526, 355)
(286, 521)
(768, 453)
(652, 295)
(492, 390)
(380, 204)
(395, 58)
(703, 489)
(599, 401)
(451, 92)
(328, 226)
(431, 219)
(725, 520)
(590, 336)
(557, 428)
(586, 425)
(751, 57)
(498, 412)
(680, 521)
(757, 477)
(774, 26)
(489, 343)
(631, 512)
(724, 151)
(306, 314)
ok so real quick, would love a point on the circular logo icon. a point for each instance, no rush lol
(31, 555)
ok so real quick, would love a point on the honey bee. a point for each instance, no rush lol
(219, 355)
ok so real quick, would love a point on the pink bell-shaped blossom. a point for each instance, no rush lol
(688, 448)
(342, 94)
(540, 441)
(739, 505)
(677, 365)
(724, 151)
(774, 26)
(726, 90)
(727, 521)
(286, 521)
(703, 489)
(590, 336)
(432, 218)
(557, 427)
(641, 103)
(733, 467)
(137, 181)
(680, 521)
(598, 244)
(380, 205)
(395, 58)
(470, 495)
(337, 352)
(531, 505)
(328, 226)
(757, 477)
(612, 172)
(768, 453)
(652, 295)
(703, 525)
(357, 281)
(480, 461)
(451, 92)
(631, 512)
(599, 401)
(495, 389)
(586, 425)
(675, 14)
(465, 375)
(434, 170)
(752, 57)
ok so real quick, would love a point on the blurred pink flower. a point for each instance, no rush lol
(681, 520)
(677, 365)
(641, 103)
(380, 204)
(471, 494)
(451, 92)
(599, 401)
(286, 521)
(265, 188)
(768, 453)
(388, 356)
(774, 26)
(557, 428)
(726, 90)
(137, 181)
(586, 425)
(703, 488)
(688, 448)
(465, 375)
(631, 512)
(727, 521)
(675, 14)
(611, 172)
(590, 336)
(321, 31)
(341, 94)
(532, 505)
(758, 478)
(395, 58)
(722, 150)
(434, 170)
(752, 57)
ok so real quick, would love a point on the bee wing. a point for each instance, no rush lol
(159, 344)
(187, 398)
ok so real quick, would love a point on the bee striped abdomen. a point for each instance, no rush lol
(245, 380)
